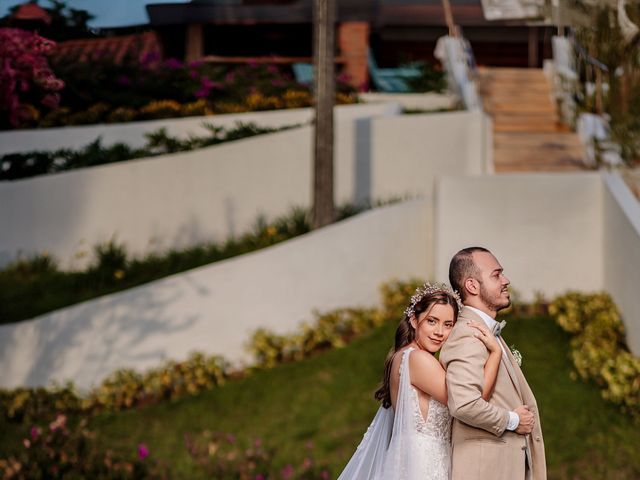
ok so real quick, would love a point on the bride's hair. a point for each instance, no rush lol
(405, 334)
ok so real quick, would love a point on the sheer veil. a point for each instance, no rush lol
(368, 461)
(381, 455)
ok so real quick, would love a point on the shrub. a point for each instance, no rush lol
(61, 451)
(333, 329)
(23, 165)
(598, 348)
(25, 77)
(224, 457)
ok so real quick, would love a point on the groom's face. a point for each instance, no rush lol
(494, 291)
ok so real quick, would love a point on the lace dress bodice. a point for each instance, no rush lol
(402, 445)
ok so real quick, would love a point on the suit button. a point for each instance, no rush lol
(538, 438)
(524, 447)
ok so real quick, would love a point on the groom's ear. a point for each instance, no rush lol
(472, 286)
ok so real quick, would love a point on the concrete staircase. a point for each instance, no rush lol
(527, 132)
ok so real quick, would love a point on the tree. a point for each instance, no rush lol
(324, 83)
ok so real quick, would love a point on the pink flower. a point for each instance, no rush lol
(259, 477)
(35, 433)
(143, 451)
(124, 80)
(287, 472)
(206, 83)
(196, 64)
(59, 423)
(202, 93)
(324, 475)
(231, 439)
(173, 63)
(149, 58)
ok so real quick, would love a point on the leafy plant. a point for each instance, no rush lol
(15, 166)
(26, 81)
(598, 349)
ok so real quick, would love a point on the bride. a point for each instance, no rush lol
(411, 440)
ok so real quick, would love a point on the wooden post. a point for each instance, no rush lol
(324, 92)
(194, 42)
(533, 47)
(448, 17)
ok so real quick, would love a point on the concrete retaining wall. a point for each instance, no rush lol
(178, 200)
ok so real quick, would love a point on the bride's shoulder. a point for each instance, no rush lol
(422, 360)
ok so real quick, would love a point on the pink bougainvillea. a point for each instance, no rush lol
(25, 76)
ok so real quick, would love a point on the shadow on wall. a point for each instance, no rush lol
(362, 154)
(133, 330)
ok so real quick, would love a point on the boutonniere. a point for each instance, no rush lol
(517, 355)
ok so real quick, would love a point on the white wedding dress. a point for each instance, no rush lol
(402, 445)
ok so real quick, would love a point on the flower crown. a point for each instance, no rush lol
(429, 289)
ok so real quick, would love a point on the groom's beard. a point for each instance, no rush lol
(494, 303)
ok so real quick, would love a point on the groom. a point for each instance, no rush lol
(500, 439)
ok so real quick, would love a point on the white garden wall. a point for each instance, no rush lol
(210, 194)
(133, 133)
(621, 230)
(216, 308)
(545, 229)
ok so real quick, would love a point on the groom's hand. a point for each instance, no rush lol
(527, 420)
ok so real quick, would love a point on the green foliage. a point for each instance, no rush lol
(33, 286)
(25, 405)
(334, 329)
(123, 389)
(62, 451)
(598, 348)
(603, 40)
(224, 457)
(431, 79)
(27, 164)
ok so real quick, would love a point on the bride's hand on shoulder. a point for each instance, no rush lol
(485, 335)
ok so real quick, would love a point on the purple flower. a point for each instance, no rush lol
(252, 63)
(206, 83)
(287, 472)
(196, 64)
(231, 439)
(35, 433)
(51, 100)
(149, 57)
(193, 74)
(202, 93)
(173, 63)
(124, 80)
(143, 451)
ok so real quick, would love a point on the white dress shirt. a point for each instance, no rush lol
(514, 419)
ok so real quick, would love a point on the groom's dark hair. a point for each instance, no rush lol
(462, 267)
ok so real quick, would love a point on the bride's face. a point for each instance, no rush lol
(433, 327)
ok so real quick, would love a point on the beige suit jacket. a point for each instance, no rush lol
(482, 448)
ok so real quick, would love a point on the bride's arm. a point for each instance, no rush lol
(493, 362)
(428, 375)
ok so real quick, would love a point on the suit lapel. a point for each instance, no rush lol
(507, 360)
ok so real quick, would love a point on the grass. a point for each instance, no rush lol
(328, 400)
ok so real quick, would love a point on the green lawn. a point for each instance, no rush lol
(328, 400)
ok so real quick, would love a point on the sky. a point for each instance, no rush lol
(108, 13)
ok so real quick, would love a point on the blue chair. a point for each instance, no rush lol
(303, 73)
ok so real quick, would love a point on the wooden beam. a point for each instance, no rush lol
(324, 92)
